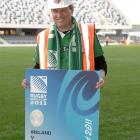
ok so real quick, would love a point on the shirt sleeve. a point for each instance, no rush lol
(36, 58)
(97, 47)
(100, 63)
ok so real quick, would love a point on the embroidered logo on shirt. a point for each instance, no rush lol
(66, 49)
(52, 59)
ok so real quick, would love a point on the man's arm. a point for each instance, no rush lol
(100, 63)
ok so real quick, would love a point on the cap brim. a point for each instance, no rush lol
(58, 6)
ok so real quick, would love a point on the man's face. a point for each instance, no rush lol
(62, 17)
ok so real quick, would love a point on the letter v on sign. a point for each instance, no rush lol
(32, 137)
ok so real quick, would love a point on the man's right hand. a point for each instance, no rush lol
(24, 83)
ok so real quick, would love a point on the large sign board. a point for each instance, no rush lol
(61, 105)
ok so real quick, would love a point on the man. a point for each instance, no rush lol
(67, 44)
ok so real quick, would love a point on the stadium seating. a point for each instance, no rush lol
(23, 12)
(15, 39)
(34, 12)
(112, 15)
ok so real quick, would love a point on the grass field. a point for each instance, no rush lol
(120, 98)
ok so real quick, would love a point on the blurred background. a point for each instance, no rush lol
(117, 21)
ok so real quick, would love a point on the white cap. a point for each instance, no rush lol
(55, 4)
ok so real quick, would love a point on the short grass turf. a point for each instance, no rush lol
(120, 97)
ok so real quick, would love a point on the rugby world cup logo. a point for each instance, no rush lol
(38, 84)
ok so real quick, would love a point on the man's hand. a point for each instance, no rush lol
(24, 83)
(101, 81)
